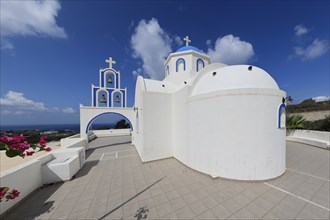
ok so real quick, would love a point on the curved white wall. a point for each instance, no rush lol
(245, 144)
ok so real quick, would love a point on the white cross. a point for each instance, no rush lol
(110, 61)
(187, 40)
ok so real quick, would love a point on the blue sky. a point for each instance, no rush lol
(51, 51)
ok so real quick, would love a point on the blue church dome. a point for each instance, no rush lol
(185, 48)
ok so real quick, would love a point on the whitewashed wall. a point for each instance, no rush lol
(245, 144)
(25, 178)
(157, 127)
(180, 125)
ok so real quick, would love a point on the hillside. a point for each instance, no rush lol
(309, 105)
(315, 115)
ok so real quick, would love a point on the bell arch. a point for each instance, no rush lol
(106, 96)
(117, 94)
(113, 77)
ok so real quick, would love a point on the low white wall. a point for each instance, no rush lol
(25, 178)
(112, 132)
(315, 138)
(74, 141)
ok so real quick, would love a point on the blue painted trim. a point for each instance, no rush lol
(117, 80)
(199, 59)
(279, 114)
(184, 64)
(102, 79)
(94, 96)
(91, 121)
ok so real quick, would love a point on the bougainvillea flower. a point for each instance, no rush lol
(42, 142)
(29, 153)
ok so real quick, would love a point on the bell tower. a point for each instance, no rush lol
(109, 92)
(185, 63)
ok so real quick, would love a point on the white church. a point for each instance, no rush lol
(224, 121)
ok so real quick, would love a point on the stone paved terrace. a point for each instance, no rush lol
(115, 184)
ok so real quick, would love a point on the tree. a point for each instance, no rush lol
(308, 101)
(289, 100)
(122, 124)
(295, 122)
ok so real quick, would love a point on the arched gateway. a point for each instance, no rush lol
(105, 98)
(89, 114)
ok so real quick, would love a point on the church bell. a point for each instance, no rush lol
(103, 99)
(117, 99)
(110, 80)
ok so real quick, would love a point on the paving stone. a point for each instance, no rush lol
(221, 212)
(184, 213)
(198, 208)
(209, 202)
(159, 199)
(206, 215)
(170, 216)
(190, 198)
(313, 212)
(178, 203)
(173, 194)
(164, 209)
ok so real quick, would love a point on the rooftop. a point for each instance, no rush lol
(186, 48)
(115, 184)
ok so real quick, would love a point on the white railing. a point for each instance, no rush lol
(315, 138)
(112, 132)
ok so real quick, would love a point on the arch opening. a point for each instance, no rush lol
(282, 116)
(117, 99)
(102, 98)
(199, 64)
(109, 120)
(180, 65)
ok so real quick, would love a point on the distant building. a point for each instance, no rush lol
(48, 132)
(226, 121)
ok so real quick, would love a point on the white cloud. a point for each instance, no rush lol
(16, 103)
(208, 43)
(321, 98)
(178, 41)
(231, 50)
(313, 51)
(137, 72)
(17, 99)
(7, 112)
(300, 30)
(151, 44)
(69, 110)
(29, 18)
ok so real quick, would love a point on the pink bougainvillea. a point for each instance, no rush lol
(18, 146)
(8, 195)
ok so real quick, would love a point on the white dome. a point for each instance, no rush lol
(233, 77)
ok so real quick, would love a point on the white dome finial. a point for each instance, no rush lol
(187, 40)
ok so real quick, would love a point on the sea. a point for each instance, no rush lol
(57, 127)
(50, 127)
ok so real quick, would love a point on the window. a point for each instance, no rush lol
(199, 64)
(167, 70)
(180, 65)
(281, 116)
